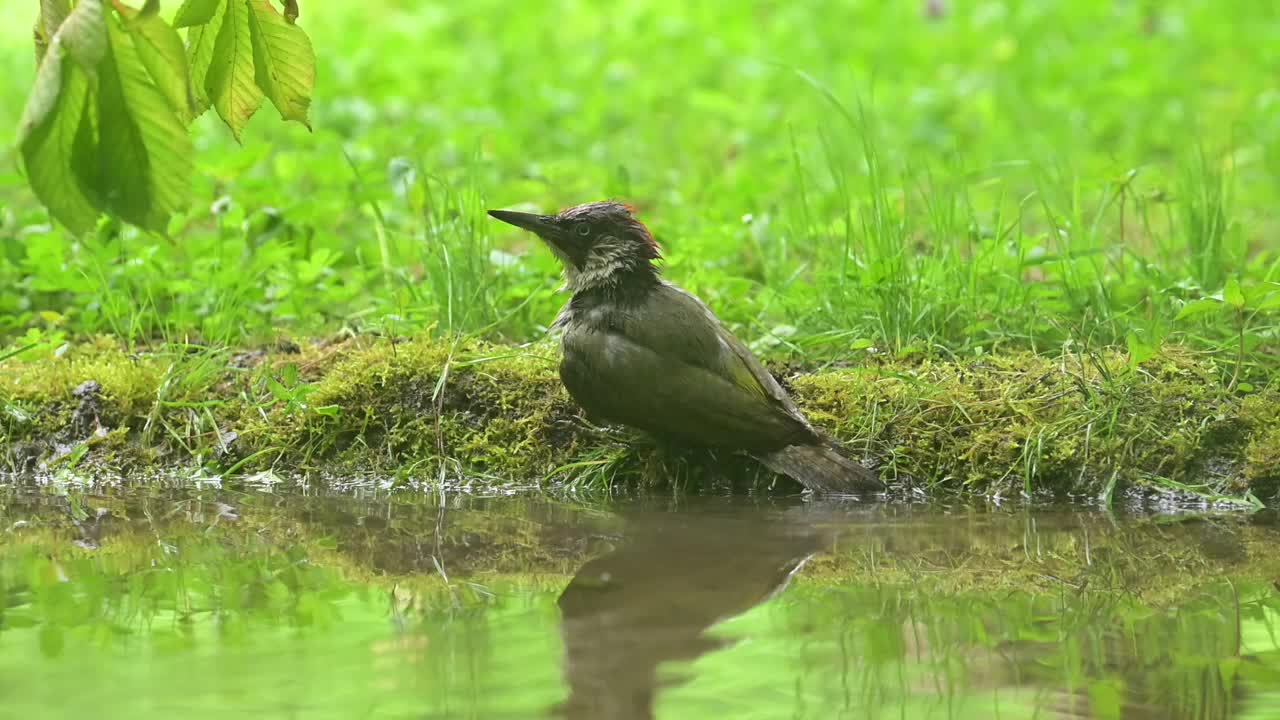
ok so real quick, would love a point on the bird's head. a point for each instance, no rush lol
(598, 243)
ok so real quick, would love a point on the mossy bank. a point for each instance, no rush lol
(491, 414)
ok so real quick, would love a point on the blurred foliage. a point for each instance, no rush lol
(910, 177)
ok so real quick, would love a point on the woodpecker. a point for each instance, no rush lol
(641, 352)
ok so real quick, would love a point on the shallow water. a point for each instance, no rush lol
(202, 603)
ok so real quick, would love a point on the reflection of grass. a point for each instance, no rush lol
(436, 411)
(1156, 563)
(882, 651)
(340, 603)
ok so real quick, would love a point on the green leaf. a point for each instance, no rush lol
(145, 150)
(200, 42)
(1139, 350)
(230, 82)
(196, 12)
(161, 51)
(76, 455)
(1270, 302)
(1232, 295)
(49, 140)
(41, 42)
(1199, 307)
(284, 61)
(84, 154)
(52, 15)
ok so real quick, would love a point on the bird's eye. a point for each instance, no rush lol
(583, 229)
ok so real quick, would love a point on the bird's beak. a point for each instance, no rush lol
(548, 227)
(542, 225)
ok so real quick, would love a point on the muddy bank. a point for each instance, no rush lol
(1087, 424)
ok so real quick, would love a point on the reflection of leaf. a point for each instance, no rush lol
(76, 455)
(51, 640)
(14, 620)
(230, 80)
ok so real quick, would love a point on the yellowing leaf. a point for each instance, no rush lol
(144, 147)
(200, 42)
(160, 50)
(196, 12)
(230, 81)
(283, 60)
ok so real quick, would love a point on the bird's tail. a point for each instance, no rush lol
(822, 469)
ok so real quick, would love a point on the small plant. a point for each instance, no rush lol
(1243, 304)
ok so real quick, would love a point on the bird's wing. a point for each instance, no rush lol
(745, 364)
(669, 364)
(618, 379)
(703, 342)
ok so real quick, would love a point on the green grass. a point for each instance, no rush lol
(827, 176)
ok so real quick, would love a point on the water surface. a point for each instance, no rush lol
(142, 602)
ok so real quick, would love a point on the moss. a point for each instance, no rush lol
(1260, 415)
(498, 412)
(1028, 422)
(128, 382)
(1013, 422)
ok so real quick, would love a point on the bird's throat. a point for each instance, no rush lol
(613, 278)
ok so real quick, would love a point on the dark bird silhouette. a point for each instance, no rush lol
(640, 351)
(652, 599)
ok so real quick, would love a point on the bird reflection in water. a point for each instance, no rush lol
(653, 598)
